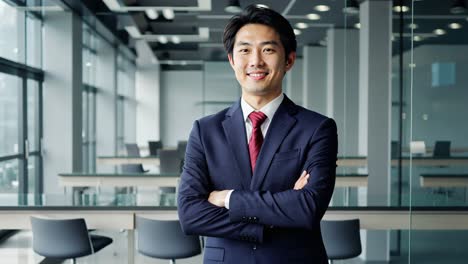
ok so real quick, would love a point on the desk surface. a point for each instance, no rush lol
(16, 210)
(444, 180)
(361, 161)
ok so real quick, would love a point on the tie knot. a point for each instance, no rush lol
(257, 118)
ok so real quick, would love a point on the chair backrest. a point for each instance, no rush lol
(341, 238)
(169, 161)
(442, 149)
(154, 146)
(134, 151)
(165, 239)
(395, 149)
(181, 147)
(60, 238)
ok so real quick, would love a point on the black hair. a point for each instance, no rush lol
(260, 15)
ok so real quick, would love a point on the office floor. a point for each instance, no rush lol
(428, 247)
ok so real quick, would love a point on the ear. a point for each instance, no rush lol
(231, 60)
(290, 60)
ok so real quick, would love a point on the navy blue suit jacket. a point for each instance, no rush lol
(267, 222)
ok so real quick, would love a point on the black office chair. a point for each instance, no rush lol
(341, 238)
(169, 161)
(165, 240)
(65, 238)
(133, 151)
(441, 149)
(154, 146)
(395, 149)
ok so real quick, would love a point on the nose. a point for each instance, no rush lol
(256, 59)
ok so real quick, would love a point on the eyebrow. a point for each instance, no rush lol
(269, 42)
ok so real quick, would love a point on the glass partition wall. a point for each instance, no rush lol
(21, 80)
(436, 64)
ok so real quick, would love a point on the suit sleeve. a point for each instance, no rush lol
(295, 208)
(197, 216)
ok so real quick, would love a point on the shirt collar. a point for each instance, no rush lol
(268, 109)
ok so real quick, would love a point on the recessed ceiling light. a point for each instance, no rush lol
(89, 64)
(151, 14)
(162, 39)
(233, 7)
(168, 13)
(301, 25)
(297, 32)
(357, 25)
(439, 32)
(399, 8)
(262, 6)
(413, 26)
(417, 38)
(322, 8)
(313, 16)
(175, 39)
(323, 42)
(455, 26)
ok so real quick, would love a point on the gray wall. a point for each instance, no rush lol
(181, 97)
(105, 104)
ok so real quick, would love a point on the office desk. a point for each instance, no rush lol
(361, 161)
(117, 180)
(15, 213)
(444, 180)
(351, 180)
(121, 160)
(156, 180)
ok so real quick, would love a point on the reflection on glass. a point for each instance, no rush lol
(9, 45)
(33, 115)
(32, 169)
(9, 87)
(9, 176)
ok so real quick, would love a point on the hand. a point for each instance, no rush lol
(217, 197)
(302, 181)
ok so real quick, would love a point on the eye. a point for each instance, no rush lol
(243, 51)
(268, 50)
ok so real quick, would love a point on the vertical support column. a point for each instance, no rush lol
(314, 74)
(343, 86)
(374, 114)
(62, 97)
(106, 98)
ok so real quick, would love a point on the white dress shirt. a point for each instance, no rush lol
(269, 110)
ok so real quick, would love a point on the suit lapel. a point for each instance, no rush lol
(281, 124)
(234, 129)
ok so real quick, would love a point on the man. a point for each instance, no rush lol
(245, 183)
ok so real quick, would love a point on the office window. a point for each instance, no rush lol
(20, 99)
(90, 42)
(33, 41)
(126, 104)
(9, 32)
(9, 103)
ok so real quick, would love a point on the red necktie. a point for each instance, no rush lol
(256, 140)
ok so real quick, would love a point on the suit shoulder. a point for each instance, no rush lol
(311, 116)
(214, 118)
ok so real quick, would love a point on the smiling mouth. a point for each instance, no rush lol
(257, 75)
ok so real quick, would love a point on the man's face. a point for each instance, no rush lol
(259, 61)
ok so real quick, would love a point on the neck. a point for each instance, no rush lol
(259, 101)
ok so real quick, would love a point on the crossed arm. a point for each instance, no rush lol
(218, 198)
